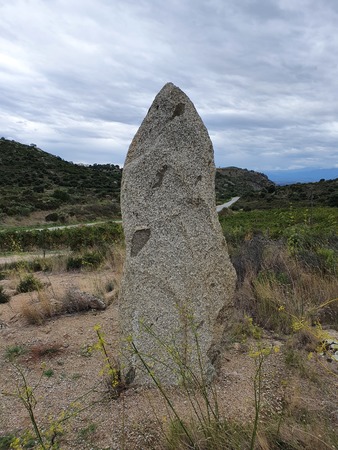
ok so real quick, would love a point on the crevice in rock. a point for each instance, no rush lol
(179, 110)
(160, 176)
(139, 240)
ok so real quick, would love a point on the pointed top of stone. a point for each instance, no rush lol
(173, 114)
(169, 90)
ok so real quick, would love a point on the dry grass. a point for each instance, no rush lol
(4, 296)
(269, 278)
(50, 301)
(110, 287)
(43, 307)
(39, 309)
(116, 262)
(275, 288)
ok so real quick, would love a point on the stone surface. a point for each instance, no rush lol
(77, 300)
(178, 281)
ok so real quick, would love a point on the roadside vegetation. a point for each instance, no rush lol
(73, 238)
(286, 306)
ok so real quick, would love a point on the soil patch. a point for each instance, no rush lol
(138, 418)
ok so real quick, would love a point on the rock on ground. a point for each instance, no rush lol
(178, 280)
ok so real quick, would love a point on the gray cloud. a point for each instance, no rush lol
(78, 77)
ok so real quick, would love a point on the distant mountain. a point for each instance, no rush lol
(321, 193)
(302, 175)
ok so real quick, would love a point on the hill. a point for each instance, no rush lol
(321, 193)
(232, 181)
(34, 180)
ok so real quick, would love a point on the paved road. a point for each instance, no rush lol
(30, 256)
(227, 204)
(60, 227)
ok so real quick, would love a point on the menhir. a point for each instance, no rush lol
(178, 281)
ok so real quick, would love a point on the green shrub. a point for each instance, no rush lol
(61, 195)
(2, 275)
(48, 373)
(333, 200)
(87, 432)
(92, 260)
(13, 351)
(39, 265)
(76, 238)
(5, 441)
(28, 284)
(301, 227)
(74, 263)
(89, 260)
(328, 260)
(52, 217)
(4, 298)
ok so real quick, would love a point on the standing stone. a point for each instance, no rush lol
(178, 281)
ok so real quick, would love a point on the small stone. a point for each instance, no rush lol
(77, 300)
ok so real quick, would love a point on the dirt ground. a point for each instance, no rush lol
(138, 417)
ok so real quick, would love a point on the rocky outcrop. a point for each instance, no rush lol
(76, 300)
(178, 281)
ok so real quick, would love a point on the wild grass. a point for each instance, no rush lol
(4, 296)
(73, 238)
(87, 260)
(45, 306)
(287, 283)
(47, 302)
(287, 273)
(318, 221)
(275, 285)
(293, 426)
(29, 283)
(222, 435)
(13, 351)
(40, 308)
(52, 262)
(6, 440)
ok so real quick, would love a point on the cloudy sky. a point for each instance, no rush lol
(78, 76)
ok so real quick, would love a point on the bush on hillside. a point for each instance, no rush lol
(29, 284)
(52, 217)
(89, 260)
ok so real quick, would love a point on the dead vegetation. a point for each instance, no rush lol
(276, 292)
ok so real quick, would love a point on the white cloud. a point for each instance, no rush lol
(78, 77)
